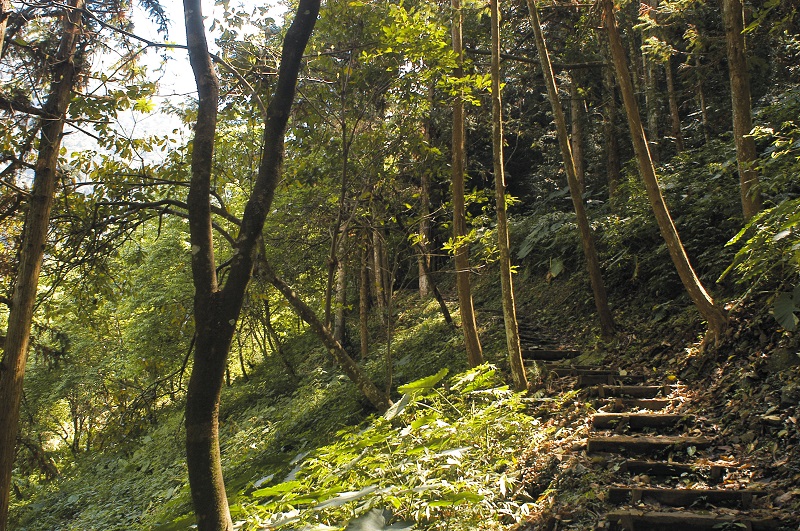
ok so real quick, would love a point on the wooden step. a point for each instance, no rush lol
(634, 391)
(589, 379)
(640, 445)
(545, 354)
(661, 468)
(577, 370)
(637, 421)
(684, 497)
(652, 404)
(633, 520)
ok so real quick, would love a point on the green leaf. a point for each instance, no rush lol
(423, 384)
(784, 311)
(276, 490)
(455, 498)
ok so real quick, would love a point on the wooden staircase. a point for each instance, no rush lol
(661, 482)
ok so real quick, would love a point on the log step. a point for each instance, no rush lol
(637, 421)
(660, 468)
(545, 354)
(643, 445)
(684, 497)
(633, 520)
(587, 379)
(577, 370)
(634, 391)
(651, 404)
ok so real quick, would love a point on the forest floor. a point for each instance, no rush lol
(465, 453)
(743, 396)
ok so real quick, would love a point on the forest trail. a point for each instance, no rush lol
(669, 472)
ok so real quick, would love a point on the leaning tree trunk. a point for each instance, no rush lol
(378, 399)
(37, 220)
(518, 376)
(717, 320)
(587, 238)
(461, 251)
(733, 17)
(217, 310)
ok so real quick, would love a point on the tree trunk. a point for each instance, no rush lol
(701, 100)
(424, 257)
(461, 247)
(341, 300)
(518, 376)
(37, 221)
(275, 342)
(613, 165)
(378, 399)
(216, 311)
(333, 257)
(378, 273)
(674, 113)
(717, 320)
(733, 17)
(587, 238)
(576, 115)
(363, 300)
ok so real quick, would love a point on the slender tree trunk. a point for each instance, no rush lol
(338, 229)
(433, 287)
(217, 310)
(37, 221)
(733, 17)
(576, 115)
(675, 116)
(377, 261)
(518, 376)
(613, 165)
(701, 100)
(363, 300)
(378, 399)
(587, 238)
(424, 257)
(717, 320)
(275, 342)
(458, 168)
(341, 300)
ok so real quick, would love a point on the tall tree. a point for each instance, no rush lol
(65, 71)
(217, 309)
(461, 246)
(733, 18)
(717, 320)
(587, 238)
(518, 376)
